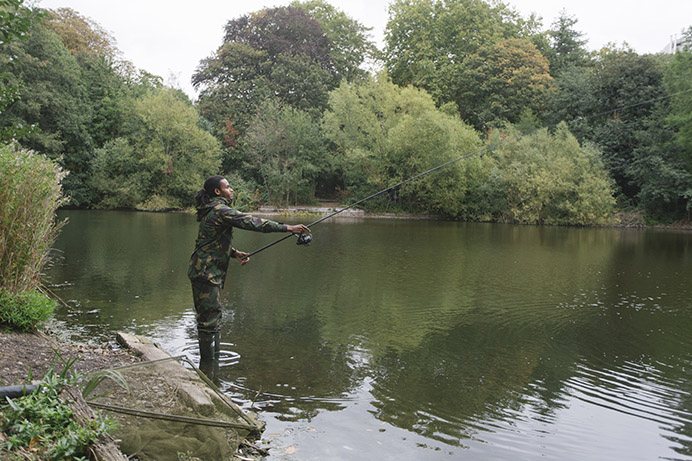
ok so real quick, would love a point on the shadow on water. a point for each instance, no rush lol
(417, 340)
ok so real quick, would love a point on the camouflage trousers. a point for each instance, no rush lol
(207, 298)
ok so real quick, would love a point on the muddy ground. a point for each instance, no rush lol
(24, 355)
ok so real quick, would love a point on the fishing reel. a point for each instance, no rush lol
(304, 239)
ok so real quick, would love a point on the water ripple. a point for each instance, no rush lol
(634, 389)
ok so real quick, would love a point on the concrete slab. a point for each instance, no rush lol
(190, 387)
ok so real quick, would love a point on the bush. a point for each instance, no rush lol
(546, 178)
(41, 426)
(24, 311)
(30, 192)
(161, 162)
(385, 134)
(158, 203)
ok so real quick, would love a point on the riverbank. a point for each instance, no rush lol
(158, 383)
(27, 357)
(326, 209)
(621, 220)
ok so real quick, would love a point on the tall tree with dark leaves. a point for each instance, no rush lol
(15, 22)
(104, 73)
(609, 104)
(350, 45)
(663, 159)
(279, 53)
(567, 48)
(53, 96)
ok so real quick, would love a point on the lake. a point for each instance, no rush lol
(415, 340)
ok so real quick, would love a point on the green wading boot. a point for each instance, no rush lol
(217, 344)
(206, 346)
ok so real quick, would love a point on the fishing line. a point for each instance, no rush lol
(306, 238)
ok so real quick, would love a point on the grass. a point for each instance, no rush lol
(30, 192)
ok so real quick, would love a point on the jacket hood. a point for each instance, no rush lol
(203, 210)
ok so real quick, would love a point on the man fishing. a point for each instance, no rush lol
(212, 254)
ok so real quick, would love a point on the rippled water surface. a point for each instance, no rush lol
(411, 340)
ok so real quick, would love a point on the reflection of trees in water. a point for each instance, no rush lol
(476, 378)
(125, 268)
(461, 381)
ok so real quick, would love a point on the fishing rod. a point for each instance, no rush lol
(306, 239)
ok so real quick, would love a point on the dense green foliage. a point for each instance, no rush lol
(25, 311)
(547, 178)
(428, 42)
(567, 48)
(386, 133)
(504, 81)
(275, 53)
(15, 22)
(349, 44)
(285, 152)
(161, 162)
(619, 80)
(288, 110)
(30, 193)
(53, 96)
(41, 426)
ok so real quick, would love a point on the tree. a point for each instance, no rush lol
(15, 22)
(567, 46)
(678, 83)
(279, 31)
(548, 179)
(104, 74)
(82, 35)
(164, 159)
(663, 173)
(349, 42)
(609, 104)
(273, 53)
(662, 157)
(108, 94)
(502, 81)
(428, 42)
(385, 134)
(53, 97)
(287, 152)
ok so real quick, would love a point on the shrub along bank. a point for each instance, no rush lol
(30, 191)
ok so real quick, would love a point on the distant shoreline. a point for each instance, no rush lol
(623, 220)
(323, 211)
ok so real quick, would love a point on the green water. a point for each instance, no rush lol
(415, 340)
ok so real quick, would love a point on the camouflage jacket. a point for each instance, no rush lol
(213, 250)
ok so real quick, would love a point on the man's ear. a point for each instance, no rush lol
(217, 191)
